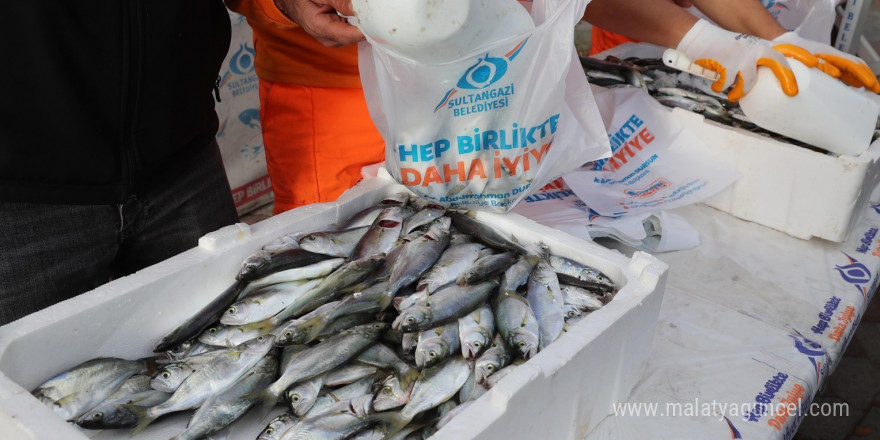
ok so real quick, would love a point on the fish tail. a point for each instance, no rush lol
(144, 417)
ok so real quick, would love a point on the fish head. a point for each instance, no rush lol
(237, 313)
(390, 395)
(410, 318)
(473, 343)
(108, 417)
(361, 406)
(169, 377)
(277, 427)
(571, 312)
(292, 334)
(215, 335)
(484, 368)
(315, 242)
(431, 353)
(302, 396)
(258, 345)
(252, 264)
(524, 343)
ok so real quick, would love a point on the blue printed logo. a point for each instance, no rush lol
(770, 4)
(734, 433)
(813, 351)
(250, 117)
(857, 274)
(242, 61)
(485, 72)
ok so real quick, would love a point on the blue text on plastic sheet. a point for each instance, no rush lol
(764, 398)
(505, 139)
(826, 315)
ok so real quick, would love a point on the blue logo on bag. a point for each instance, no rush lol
(485, 72)
(856, 274)
(250, 117)
(769, 4)
(242, 61)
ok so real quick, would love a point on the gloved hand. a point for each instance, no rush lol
(736, 58)
(848, 68)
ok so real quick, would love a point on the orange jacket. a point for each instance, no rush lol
(603, 40)
(286, 54)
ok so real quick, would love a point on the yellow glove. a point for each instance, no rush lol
(848, 68)
(736, 58)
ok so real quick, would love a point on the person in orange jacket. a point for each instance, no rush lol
(317, 132)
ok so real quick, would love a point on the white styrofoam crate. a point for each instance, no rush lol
(561, 393)
(786, 187)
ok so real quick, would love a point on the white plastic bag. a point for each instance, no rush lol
(489, 127)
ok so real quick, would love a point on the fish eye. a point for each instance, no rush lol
(98, 415)
(386, 391)
(410, 320)
(294, 398)
(490, 368)
(521, 344)
(268, 431)
(212, 330)
(260, 338)
(477, 345)
(432, 354)
(288, 334)
(231, 310)
(166, 375)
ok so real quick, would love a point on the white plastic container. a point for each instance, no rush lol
(440, 30)
(561, 393)
(826, 113)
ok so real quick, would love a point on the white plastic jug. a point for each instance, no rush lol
(440, 30)
(826, 113)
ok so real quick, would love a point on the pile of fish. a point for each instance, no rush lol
(384, 327)
(674, 88)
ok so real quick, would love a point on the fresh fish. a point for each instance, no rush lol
(278, 426)
(285, 334)
(221, 335)
(471, 389)
(169, 377)
(437, 385)
(486, 268)
(182, 350)
(373, 299)
(268, 302)
(383, 233)
(198, 322)
(422, 217)
(517, 274)
(262, 263)
(402, 303)
(325, 402)
(114, 414)
(517, 324)
(571, 312)
(316, 270)
(342, 421)
(583, 299)
(300, 397)
(331, 287)
(445, 305)
(381, 356)
(336, 243)
(476, 331)
(328, 354)
(222, 409)
(545, 299)
(466, 222)
(437, 344)
(455, 260)
(419, 255)
(577, 274)
(496, 357)
(392, 393)
(72, 393)
(223, 371)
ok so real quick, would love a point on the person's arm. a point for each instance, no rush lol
(659, 22)
(744, 16)
(318, 18)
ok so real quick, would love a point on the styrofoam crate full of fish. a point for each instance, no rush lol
(416, 322)
(785, 184)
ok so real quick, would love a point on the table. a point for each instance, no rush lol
(752, 324)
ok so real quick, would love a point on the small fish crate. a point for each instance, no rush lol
(561, 393)
(798, 191)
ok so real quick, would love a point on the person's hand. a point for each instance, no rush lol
(848, 68)
(319, 19)
(736, 58)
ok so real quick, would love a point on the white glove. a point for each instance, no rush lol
(735, 57)
(849, 68)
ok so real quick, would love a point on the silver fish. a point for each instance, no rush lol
(471, 389)
(169, 377)
(545, 299)
(476, 331)
(466, 222)
(583, 299)
(328, 354)
(300, 397)
(437, 385)
(577, 274)
(325, 402)
(221, 335)
(455, 260)
(198, 322)
(267, 302)
(517, 324)
(383, 233)
(496, 357)
(486, 268)
(115, 414)
(315, 270)
(437, 344)
(419, 255)
(336, 243)
(445, 305)
(422, 217)
(340, 422)
(81, 388)
(278, 426)
(223, 371)
(222, 409)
